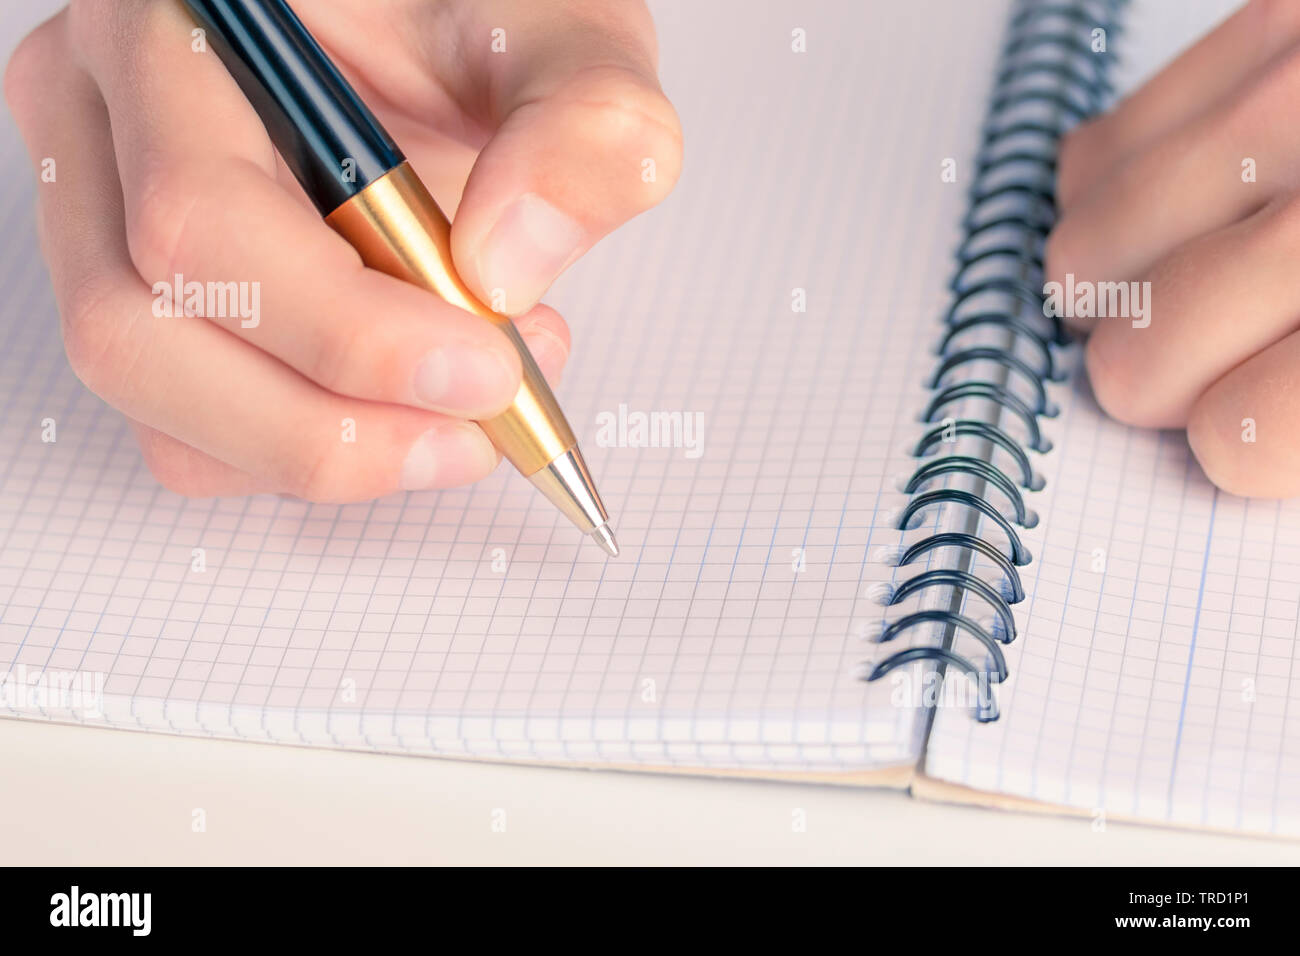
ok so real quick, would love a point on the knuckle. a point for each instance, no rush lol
(335, 356)
(633, 117)
(1221, 466)
(1075, 158)
(168, 461)
(1062, 251)
(1119, 393)
(1224, 476)
(1254, 398)
(1221, 473)
(17, 76)
(27, 65)
(92, 337)
(159, 218)
(1077, 246)
(313, 475)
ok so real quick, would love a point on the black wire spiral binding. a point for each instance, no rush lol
(1048, 66)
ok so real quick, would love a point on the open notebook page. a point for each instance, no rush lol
(1154, 676)
(476, 621)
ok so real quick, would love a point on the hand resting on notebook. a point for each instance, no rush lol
(1193, 184)
(312, 375)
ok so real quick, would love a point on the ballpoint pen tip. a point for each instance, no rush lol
(605, 538)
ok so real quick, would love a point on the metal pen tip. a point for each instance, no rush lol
(605, 538)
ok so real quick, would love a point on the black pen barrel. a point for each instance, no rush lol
(327, 136)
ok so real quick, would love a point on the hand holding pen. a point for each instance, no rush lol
(529, 124)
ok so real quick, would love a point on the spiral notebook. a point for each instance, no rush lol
(898, 546)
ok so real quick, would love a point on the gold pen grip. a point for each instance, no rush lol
(397, 228)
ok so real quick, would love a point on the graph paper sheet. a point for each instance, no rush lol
(476, 621)
(1157, 672)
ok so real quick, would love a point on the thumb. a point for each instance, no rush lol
(583, 147)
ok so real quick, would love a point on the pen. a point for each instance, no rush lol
(361, 183)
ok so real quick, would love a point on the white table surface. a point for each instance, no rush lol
(78, 795)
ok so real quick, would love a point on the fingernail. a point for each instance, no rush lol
(465, 378)
(452, 454)
(528, 247)
(548, 352)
